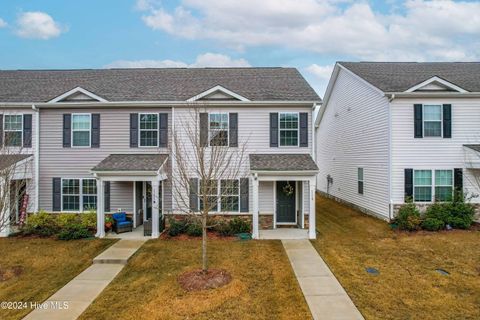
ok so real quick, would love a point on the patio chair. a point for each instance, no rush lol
(147, 226)
(121, 223)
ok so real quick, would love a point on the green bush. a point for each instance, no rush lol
(239, 225)
(461, 222)
(89, 220)
(65, 220)
(433, 224)
(223, 228)
(462, 214)
(440, 211)
(73, 232)
(408, 217)
(194, 229)
(176, 227)
(42, 224)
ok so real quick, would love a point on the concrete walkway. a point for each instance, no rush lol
(325, 297)
(84, 288)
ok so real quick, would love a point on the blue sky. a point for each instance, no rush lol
(307, 34)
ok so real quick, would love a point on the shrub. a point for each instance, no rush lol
(439, 211)
(462, 214)
(223, 228)
(460, 222)
(42, 224)
(239, 225)
(433, 224)
(89, 220)
(176, 227)
(65, 220)
(408, 217)
(75, 231)
(194, 229)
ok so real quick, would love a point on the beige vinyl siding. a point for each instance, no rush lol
(56, 161)
(265, 197)
(121, 196)
(433, 152)
(354, 132)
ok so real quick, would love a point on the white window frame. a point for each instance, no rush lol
(80, 194)
(431, 185)
(230, 195)
(280, 130)
(210, 130)
(5, 130)
(452, 186)
(362, 180)
(441, 120)
(82, 130)
(200, 195)
(140, 130)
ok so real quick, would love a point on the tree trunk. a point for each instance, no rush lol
(204, 243)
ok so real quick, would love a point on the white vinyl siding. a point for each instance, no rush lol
(81, 130)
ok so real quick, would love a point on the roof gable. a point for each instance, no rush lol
(77, 94)
(218, 93)
(435, 84)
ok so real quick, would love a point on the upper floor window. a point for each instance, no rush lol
(148, 129)
(432, 120)
(360, 180)
(13, 130)
(288, 128)
(81, 130)
(218, 129)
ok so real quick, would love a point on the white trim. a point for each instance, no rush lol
(280, 129)
(215, 89)
(134, 203)
(266, 175)
(37, 157)
(439, 80)
(140, 130)
(81, 130)
(74, 91)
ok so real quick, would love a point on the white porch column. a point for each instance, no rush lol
(100, 210)
(155, 209)
(312, 234)
(255, 206)
(5, 214)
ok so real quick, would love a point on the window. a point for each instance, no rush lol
(218, 129)
(288, 129)
(148, 129)
(13, 127)
(422, 182)
(79, 193)
(230, 195)
(81, 125)
(360, 180)
(209, 188)
(443, 185)
(432, 120)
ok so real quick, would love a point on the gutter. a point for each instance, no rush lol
(276, 173)
(443, 94)
(37, 157)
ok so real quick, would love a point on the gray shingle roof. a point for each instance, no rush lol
(282, 162)
(6, 160)
(475, 147)
(166, 84)
(400, 76)
(131, 162)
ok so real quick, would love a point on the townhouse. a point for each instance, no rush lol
(389, 132)
(102, 140)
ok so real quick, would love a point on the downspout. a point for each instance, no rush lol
(37, 156)
(173, 158)
(390, 191)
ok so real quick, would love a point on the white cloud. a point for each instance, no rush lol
(37, 25)
(425, 30)
(203, 60)
(3, 24)
(319, 76)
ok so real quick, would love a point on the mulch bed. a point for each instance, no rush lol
(9, 273)
(197, 280)
(211, 236)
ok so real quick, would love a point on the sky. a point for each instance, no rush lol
(310, 35)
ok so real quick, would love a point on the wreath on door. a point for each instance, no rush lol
(288, 190)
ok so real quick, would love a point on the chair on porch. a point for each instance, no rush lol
(121, 223)
(147, 226)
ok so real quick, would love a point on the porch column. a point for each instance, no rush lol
(5, 214)
(255, 206)
(155, 209)
(100, 210)
(312, 234)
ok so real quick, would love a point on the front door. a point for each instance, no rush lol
(286, 195)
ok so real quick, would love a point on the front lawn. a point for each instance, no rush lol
(408, 287)
(263, 285)
(33, 268)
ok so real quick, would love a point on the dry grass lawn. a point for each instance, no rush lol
(408, 287)
(263, 285)
(47, 265)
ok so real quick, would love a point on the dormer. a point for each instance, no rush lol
(218, 93)
(436, 84)
(77, 94)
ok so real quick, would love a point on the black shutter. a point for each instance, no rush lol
(56, 194)
(244, 194)
(447, 120)
(418, 114)
(95, 143)
(458, 183)
(233, 129)
(1, 130)
(163, 130)
(204, 129)
(408, 184)
(106, 196)
(274, 129)
(27, 130)
(194, 194)
(67, 130)
(303, 129)
(133, 130)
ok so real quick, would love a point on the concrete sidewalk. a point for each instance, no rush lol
(325, 297)
(84, 288)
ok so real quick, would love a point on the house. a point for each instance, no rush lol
(104, 140)
(388, 132)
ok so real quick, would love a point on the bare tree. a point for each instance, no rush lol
(205, 169)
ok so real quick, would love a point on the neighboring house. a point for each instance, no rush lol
(387, 132)
(105, 138)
